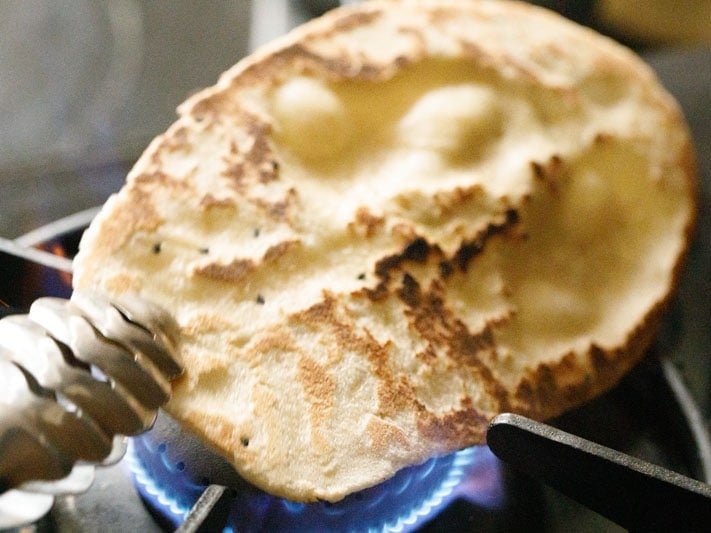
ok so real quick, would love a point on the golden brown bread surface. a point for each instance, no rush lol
(392, 224)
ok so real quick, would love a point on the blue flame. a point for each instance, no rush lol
(166, 502)
(406, 501)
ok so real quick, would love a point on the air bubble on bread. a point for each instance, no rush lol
(310, 118)
(455, 120)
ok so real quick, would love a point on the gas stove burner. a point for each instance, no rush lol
(171, 478)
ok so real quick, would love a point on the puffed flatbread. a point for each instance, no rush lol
(397, 221)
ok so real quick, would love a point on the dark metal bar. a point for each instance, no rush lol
(210, 512)
(633, 493)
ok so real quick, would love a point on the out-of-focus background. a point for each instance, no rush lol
(85, 85)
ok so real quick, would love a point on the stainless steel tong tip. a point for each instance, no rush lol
(142, 325)
(76, 376)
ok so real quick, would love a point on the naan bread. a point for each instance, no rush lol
(392, 224)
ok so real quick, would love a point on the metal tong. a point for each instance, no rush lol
(76, 377)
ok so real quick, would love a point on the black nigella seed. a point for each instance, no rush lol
(260, 299)
(244, 441)
(361, 275)
(256, 232)
(204, 251)
(157, 247)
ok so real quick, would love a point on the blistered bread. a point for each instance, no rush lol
(397, 221)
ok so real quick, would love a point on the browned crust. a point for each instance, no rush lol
(550, 390)
(237, 269)
(139, 215)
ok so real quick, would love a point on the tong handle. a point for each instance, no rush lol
(632, 493)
